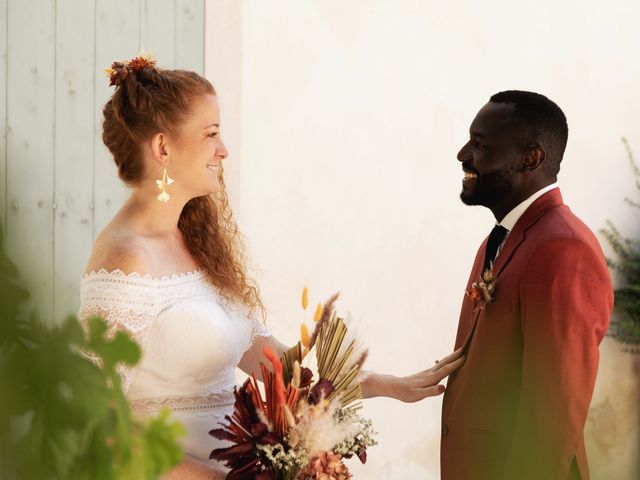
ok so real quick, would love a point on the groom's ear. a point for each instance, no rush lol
(532, 158)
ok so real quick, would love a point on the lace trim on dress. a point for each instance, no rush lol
(135, 275)
(131, 302)
(258, 329)
(135, 300)
(184, 404)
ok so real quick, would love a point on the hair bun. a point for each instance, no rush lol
(121, 70)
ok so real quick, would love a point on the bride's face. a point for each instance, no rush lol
(198, 149)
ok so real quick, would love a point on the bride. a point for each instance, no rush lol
(169, 267)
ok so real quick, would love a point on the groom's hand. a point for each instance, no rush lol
(414, 387)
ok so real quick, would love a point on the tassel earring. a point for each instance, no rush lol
(162, 185)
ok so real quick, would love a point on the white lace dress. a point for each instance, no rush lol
(191, 340)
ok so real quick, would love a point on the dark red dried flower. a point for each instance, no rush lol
(117, 73)
(245, 430)
(321, 390)
(306, 377)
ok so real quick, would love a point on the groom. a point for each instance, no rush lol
(531, 328)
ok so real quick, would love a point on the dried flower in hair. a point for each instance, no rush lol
(117, 73)
(120, 70)
(143, 60)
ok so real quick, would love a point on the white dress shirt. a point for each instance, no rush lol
(510, 220)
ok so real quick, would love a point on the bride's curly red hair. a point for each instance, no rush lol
(150, 100)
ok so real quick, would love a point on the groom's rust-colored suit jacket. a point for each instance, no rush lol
(517, 408)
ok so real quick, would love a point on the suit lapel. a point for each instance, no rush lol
(536, 211)
(469, 317)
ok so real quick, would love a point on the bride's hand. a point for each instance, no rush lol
(413, 387)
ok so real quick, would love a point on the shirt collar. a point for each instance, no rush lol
(510, 220)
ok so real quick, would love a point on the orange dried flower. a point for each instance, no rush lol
(139, 63)
(277, 367)
(327, 466)
(474, 294)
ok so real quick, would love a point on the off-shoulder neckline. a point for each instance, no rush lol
(117, 273)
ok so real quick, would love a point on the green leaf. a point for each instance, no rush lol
(160, 438)
(74, 419)
(121, 348)
(626, 327)
(13, 298)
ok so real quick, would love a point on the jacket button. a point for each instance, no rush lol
(445, 430)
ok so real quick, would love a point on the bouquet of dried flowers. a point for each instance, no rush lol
(300, 428)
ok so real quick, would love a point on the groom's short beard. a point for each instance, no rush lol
(490, 187)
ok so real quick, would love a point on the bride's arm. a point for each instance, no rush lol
(411, 388)
(250, 362)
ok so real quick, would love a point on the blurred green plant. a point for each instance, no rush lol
(626, 327)
(62, 416)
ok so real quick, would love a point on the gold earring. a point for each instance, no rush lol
(162, 185)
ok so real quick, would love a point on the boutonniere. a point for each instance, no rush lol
(482, 291)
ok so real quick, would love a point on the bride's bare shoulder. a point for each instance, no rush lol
(118, 248)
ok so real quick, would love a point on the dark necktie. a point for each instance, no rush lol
(496, 237)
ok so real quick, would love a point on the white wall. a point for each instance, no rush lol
(344, 120)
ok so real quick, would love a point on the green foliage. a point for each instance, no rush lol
(626, 327)
(62, 416)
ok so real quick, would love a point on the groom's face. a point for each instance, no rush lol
(491, 158)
